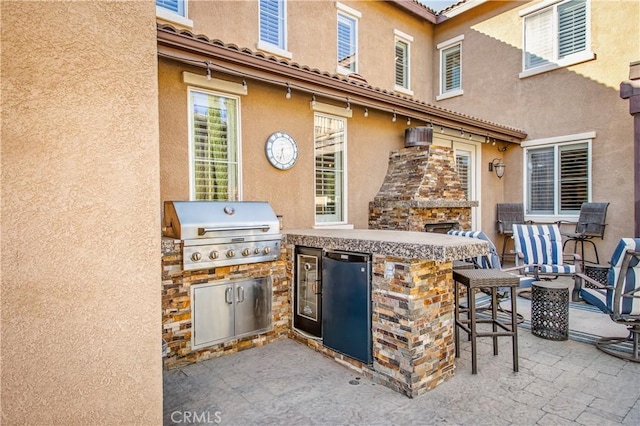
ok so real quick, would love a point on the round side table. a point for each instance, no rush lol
(550, 310)
(597, 273)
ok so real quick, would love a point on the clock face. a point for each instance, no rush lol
(281, 151)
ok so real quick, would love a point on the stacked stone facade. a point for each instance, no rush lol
(176, 304)
(421, 187)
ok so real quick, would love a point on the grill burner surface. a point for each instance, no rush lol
(220, 233)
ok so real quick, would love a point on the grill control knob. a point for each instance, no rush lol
(231, 253)
(213, 255)
(246, 252)
(256, 251)
(196, 256)
(267, 250)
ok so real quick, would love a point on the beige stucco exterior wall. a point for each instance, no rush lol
(265, 110)
(312, 35)
(580, 98)
(80, 283)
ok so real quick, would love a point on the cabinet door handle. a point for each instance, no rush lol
(228, 295)
(240, 294)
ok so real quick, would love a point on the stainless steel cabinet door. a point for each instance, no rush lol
(253, 305)
(212, 313)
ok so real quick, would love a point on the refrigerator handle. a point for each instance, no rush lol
(240, 294)
(228, 295)
(317, 287)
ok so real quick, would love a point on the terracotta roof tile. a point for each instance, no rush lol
(358, 81)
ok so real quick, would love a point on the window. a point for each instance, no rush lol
(214, 151)
(402, 62)
(555, 36)
(175, 6)
(173, 11)
(558, 177)
(347, 39)
(330, 151)
(450, 68)
(273, 25)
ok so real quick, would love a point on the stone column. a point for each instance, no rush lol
(631, 90)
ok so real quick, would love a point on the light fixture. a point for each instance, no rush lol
(288, 95)
(431, 124)
(441, 129)
(408, 121)
(366, 112)
(394, 118)
(348, 104)
(208, 70)
(244, 83)
(313, 99)
(498, 165)
(461, 132)
(470, 136)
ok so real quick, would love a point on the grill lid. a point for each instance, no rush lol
(188, 220)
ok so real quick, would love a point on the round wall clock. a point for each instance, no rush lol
(281, 150)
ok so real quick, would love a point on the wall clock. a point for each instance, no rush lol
(281, 150)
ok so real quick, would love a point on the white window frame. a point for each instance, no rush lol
(348, 13)
(442, 47)
(556, 143)
(335, 223)
(173, 17)
(401, 37)
(278, 50)
(238, 120)
(554, 62)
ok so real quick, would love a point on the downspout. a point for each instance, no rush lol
(631, 90)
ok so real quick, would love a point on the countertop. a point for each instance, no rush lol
(406, 244)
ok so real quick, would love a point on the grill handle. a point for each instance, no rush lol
(264, 228)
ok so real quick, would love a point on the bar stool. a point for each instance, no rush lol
(472, 280)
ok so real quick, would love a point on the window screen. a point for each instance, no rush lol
(450, 79)
(175, 6)
(402, 64)
(347, 57)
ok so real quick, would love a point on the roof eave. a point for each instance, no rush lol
(171, 44)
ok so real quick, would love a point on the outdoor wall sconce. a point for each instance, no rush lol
(498, 165)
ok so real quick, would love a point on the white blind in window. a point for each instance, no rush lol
(214, 149)
(463, 165)
(574, 177)
(540, 163)
(329, 168)
(272, 22)
(572, 27)
(402, 64)
(538, 38)
(347, 42)
(451, 69)
(175, 6)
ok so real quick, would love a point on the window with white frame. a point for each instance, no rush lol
(555, 35)
(214, 146)
(450, 68)
(173, 11)
(557, 176)
(273, 26)
(402, 62)
(330, 183)
(347, 39)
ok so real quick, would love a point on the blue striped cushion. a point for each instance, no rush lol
(629, 306)
(540, 244)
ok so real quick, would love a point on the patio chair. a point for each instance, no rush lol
(591, 224)
(508, 214)
(619, 298)
(539, 252)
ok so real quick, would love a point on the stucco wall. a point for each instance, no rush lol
(312, 35)
(576, 99)
(265, 110)
(81, 328)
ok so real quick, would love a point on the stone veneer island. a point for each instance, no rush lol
(412, 306)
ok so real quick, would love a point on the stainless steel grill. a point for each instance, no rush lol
(221, 233)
